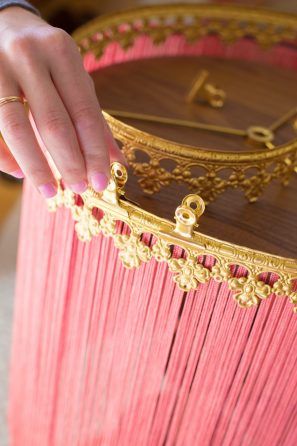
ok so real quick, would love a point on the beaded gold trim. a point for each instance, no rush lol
(194, 22)
(250, 171)
(189, 270)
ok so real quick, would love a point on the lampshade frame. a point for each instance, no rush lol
(250, 171)
(204, 258)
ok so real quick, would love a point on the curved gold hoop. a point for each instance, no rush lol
(188, 271)
(194, 22)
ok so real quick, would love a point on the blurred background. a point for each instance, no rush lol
(67, 14)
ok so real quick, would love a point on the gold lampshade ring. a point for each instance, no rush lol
(188, 272)
(194, 22)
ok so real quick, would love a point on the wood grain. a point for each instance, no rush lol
(10, 192)
(256, 95)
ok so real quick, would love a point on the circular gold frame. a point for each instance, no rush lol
(194, 22)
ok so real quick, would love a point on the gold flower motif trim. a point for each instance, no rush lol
(249, 290)
(132, 251)
(99, 213)
(188, 272)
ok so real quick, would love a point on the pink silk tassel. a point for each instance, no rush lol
(107, 356)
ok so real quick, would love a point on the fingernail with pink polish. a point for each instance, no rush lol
(99, 181)
(47, 190)
(79, 188)
(17, 174)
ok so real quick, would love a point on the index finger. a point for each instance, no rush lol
(80, 100)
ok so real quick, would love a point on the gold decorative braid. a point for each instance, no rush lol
(230, 23)
(189, 271)
(250, 171)
(275, 164)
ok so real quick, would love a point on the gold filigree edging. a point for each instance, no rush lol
(250, 172)
(189, 271)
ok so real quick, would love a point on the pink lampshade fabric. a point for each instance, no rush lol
(107, 356)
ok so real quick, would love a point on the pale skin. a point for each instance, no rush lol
(42, 64)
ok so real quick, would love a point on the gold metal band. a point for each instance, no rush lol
(8, 99)
(188, 272)
(250, 172)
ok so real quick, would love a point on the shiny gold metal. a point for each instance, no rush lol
(255, 134)
(267, 165)
(185, 221)
(189, 271)
(260, 135)
(188, 214)
(9, 99)
(283, 119)
(203, 90)
(269, 145)
(177, 122)
(115, 188)
(221, 169)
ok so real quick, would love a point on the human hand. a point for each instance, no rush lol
(43, 64)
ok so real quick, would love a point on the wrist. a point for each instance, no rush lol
(12, 5)
(14, 18)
